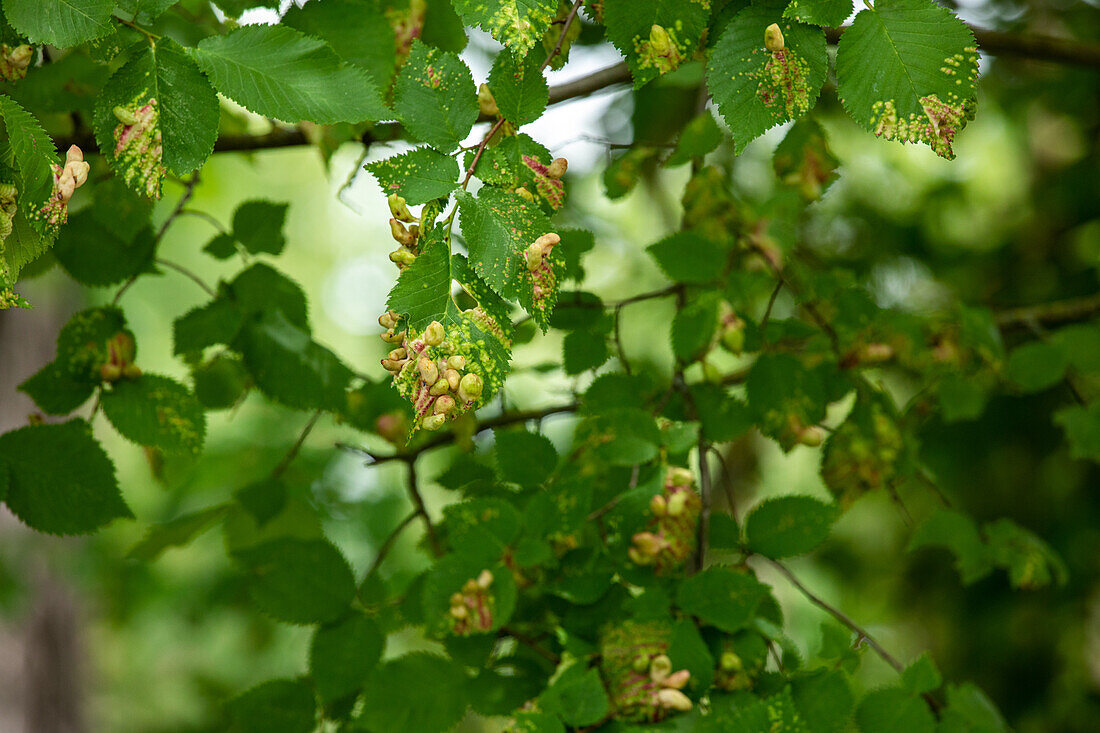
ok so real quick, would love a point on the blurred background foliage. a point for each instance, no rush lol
(1014, 220)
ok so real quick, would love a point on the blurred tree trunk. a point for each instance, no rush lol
(41, 670)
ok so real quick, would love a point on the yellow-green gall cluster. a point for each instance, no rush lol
(14, 61)
(740, 661)
(407, 237)
(66, 179)
(548, 181)
(432, 371)
(8, 208)
(471, 610)
(863, 453)
(139, 150)
(669, 538)
(660, 51)
(638, 673)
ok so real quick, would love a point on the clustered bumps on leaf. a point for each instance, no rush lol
(120, 358)
(8, 208)
(471, 609)
(784, 79)
(548, 181)
(432, 371)
(541, 271)
(14, 62)
(66, 180)
(669, 538)
(138, 147)
(638, 672)
(660, 51)
(863, 453)
(741, 661)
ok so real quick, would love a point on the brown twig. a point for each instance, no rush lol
(421, 507)
(186, 273)
(862, 633)
(510, 418)
(297, 447)
(388, 543)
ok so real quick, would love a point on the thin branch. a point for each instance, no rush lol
(561, 36)
(703, 527)
(771, 304)
(510, 418)
(188, 192)
(837, 614)
(421, 508)
(387, 544)
(297, 447)
(531, 644)
(1049, 314)
(1037, 48)
(186, 273)
(208, 218)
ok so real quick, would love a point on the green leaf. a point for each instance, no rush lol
(119, 210)
(906, 70)
(59, 479)
(892, 709)
(342, 656)
(1030, 562)
(151, 9)
(819, 12)
(33, 154)
(970, 711)
(699, 137)
(650, 54)
(221, 247)
(921, 675)
(723, 417)
(578, 696)
(356, 30)
(824, 699)
(498, 226)
(724, 532)
(1082, 426)
(721, 597)
(217, 322)
(434, 97)
(785, 397)
(299, 581)
(584, 350)
(693, 328)
(525, 458)
(423, 290)
(956, 532)
(804, 161)
(518, 24)
(397, 698)
(756, 89)
(93, 255)
(277, 72)
(258, 225)
(56, 391)
(158, 412)
(1036, 366)
(290, 367)
(1080, 343)
(420, 175)
(261, 288)
(961, 398)
(61, 23)
(276, 706)
(519, 88)
(688, 257)
(179, 532)
(263, 499)
(175, 117)
(788, 525)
